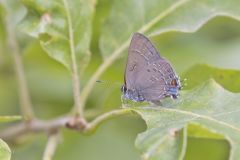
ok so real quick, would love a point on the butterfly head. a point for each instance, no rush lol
(132, 94)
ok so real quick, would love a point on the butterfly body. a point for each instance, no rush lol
(148, 76)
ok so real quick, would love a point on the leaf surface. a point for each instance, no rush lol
(228, 78)
(208, 105)
(60, 24)
(5, 152)
(156, 17)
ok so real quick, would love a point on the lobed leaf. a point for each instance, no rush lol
(156, 17)
(208, 105)
(51, 24)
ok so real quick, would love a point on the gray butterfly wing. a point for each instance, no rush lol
(141, 52)
(147, 72)
(158, 81)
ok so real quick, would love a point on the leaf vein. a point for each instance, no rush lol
(205, 117)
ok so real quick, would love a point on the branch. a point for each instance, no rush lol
(25, 102)
(53, 141)
(89, 86)
(34, 126)
(78, 109)
(39, 126)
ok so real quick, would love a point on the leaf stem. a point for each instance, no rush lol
(10, 118)
(92, 126)
(89, 86)
(24, 97)
(51, 146)
(78, 109)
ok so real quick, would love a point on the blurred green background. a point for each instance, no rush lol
(215, 44)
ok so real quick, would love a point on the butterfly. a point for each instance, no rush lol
(148, 76)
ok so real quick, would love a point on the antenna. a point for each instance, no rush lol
(109, 83)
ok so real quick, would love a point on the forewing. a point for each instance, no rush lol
(141, 53)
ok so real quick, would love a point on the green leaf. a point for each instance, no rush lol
(208, 105)
(9, 118)
(228, 78)
(156, 17)
(5, 152)
(207, 149)
(208, 45)
(60, 24)
(198, 131)
(15, 12)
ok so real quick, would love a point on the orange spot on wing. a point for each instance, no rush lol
(174, 83)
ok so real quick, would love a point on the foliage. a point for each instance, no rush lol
(54, 41)
(201, 106)
(5, 152)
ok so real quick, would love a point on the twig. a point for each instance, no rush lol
(34, 126)
(89, 86)
(25, 101)
(78, 109)
(39, 126)
(53, 141)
